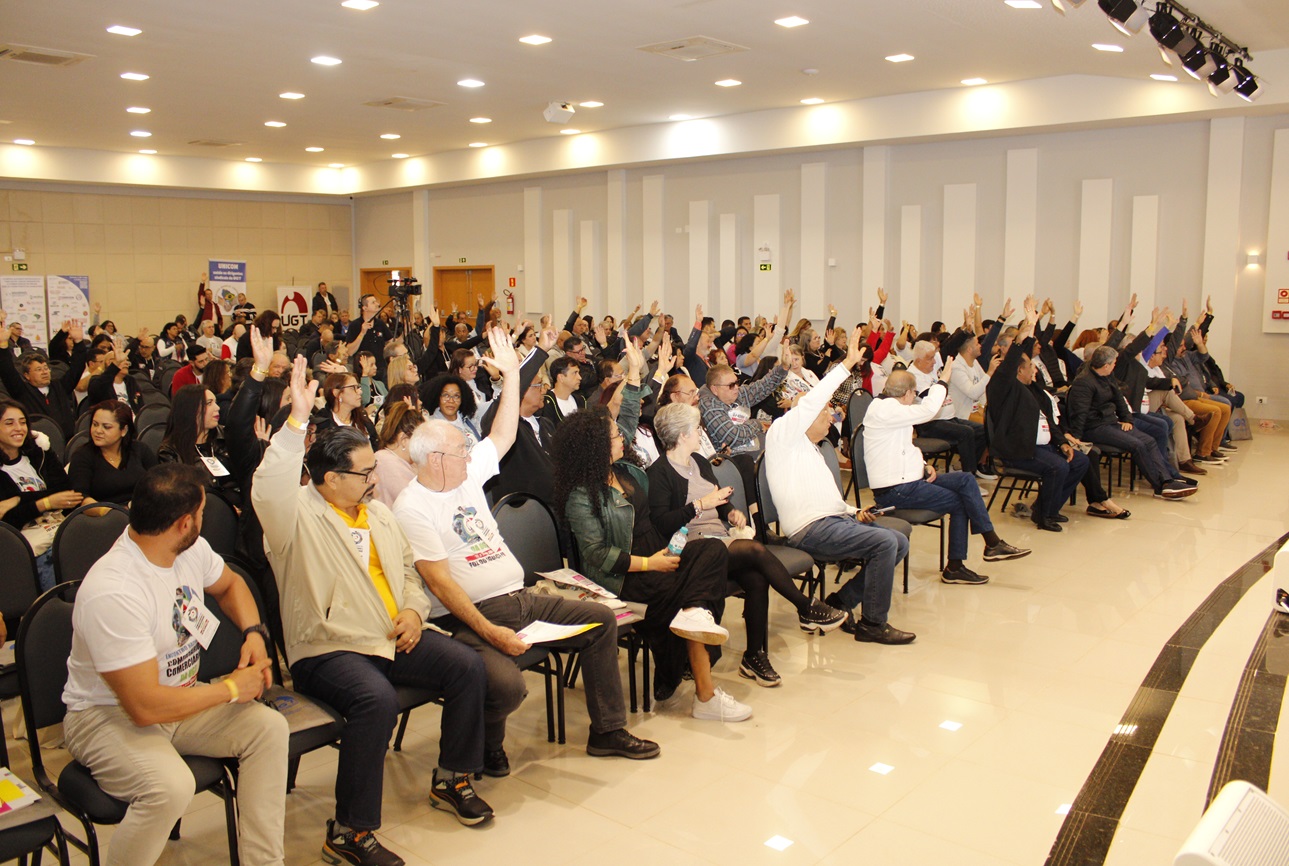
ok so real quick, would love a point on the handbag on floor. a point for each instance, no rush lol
(1239, 429)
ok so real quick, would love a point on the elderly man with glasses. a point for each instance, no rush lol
(353, 612)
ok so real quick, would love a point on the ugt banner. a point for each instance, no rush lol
(226, 278)
(292, 306)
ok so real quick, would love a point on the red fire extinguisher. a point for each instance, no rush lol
(510, 303)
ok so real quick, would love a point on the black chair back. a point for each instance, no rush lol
(151, 413)
(83, 420)
(166, 378)
(830, 457)
(152, 397)
(858, 468)
(529, 528)
(79, 441)
(43, 647)
(19, 586)
(769, 513)
(857, 408)
(83, 537)
(152, 435)
(48, 426)
(219, 524)
(727, 475)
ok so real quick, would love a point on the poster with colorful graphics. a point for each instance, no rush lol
(68, 299)
(23, 299)
(226, 279)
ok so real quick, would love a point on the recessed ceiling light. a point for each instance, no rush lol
(778, 843)
(899, 58)
(791, 21)
(121, 30)
(1160, 77)
(26, 141)
(478, 144)
(336, 165)
(141, 133)
(535, 39)
(481, 120)
(148, 152)
(360, 5)
(728, 82)
(399, 155)
(813, 100)
(134, 76)
(591, 104)
(569, 131)
(1107, 46)
(951, 725)
(470, 82)
(253, 159)
(276, 124)
(324, 60)
(972, 82)
(390, 136)
(290, 94)
(881, 769)
(314, 149)
(1024, 4)
(138, 109)
(680, 117)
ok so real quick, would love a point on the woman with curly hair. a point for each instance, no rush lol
(449, 398)
(604, 499)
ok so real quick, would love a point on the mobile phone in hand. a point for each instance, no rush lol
(879, 511)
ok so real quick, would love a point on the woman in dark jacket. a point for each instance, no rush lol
(193, 436)
(683, 491)
(107, 469)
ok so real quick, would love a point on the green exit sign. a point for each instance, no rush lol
(766, 267)
(20, 266)
(461, 260)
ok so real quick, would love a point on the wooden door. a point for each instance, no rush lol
(460, 286)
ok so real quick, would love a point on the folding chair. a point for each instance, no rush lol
(914, 516)
(19, 587)
(799, 564)
(83, 537)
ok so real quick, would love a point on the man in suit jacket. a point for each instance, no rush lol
(324, 300)
(35, 388)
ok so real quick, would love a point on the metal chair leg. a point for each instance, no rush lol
(402, 729)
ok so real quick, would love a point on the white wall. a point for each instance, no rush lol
(383, 232)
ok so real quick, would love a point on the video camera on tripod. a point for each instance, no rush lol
(401, 288)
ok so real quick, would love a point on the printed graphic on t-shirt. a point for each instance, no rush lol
(476, 535)
(178, 667)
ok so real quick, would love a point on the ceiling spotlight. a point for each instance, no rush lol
(1198, 63)
(974, 82)
(399, 155)
(478, 144)
(481, 120)
(314, 149)
(591, 104)
(119, 30)
(324, 60)
(791, 21)
(149, 152)
(360, 5)
(559, 112)
(1246, 86)
(813, 100)
(138, 109)
(470, 82)
(253, 159)
(899, 58)
(390, 136)
(134, 76)
(1107, 46)
(139, 133)
(1168, 31)
(1222, 80)
(276, 124)
(1127, 16)
(535, 39)
(291, 95)
(24, 141)
(728, 82)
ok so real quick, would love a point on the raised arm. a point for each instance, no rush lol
(275, 493)
(506, 361)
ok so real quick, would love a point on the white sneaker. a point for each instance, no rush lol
(697, 624)
(721, 708)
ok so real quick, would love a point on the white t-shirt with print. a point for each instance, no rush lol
(24, 475)
(128, 611)
(458, 526)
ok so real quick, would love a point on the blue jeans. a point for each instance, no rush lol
(953, 493)
(361, 688)
(841, 537)
(45, 570)
(1145, 453)
(1059, 477)
(1159, 427)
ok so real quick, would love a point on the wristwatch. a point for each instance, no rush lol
(260, 630)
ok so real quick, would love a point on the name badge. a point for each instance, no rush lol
(199, 622)
(214, 467)
(361, 539)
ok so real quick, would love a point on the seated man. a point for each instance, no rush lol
(965, 435)
(1026, 434)
(564, 398)
(352, 613)
(816, 519)
(134, 702)
(192, 372)
(900, 477)
(478, 585)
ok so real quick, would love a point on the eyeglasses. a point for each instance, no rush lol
(615, 433)
(726, 385)
(365, 476)
(540, 386)
(452, 398)
(346, 388)
(465, 456)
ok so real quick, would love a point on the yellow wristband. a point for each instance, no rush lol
(255, 369)
(232, 690)
(646, 564)
(294, 424)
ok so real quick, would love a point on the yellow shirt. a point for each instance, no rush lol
(377, 573)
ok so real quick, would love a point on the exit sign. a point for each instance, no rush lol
(766, 267)
(20, 266)
(461, 260)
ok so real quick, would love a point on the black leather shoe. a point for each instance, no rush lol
(1048, 525)
(621, 743)
(1061, 518)
(848, 625)
(495, 763)
(884, 633)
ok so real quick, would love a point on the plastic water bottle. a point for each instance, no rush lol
(677, 543)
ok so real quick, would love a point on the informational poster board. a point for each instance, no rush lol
(293, 306)
(226, 279)
(68, 299)
(23, 299)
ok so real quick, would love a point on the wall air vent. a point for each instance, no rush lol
(693, 48)
(41, 56)
(404, 103)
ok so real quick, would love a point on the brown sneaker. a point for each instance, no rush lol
(1189, 467)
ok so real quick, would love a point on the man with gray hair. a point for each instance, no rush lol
(478, 585)
(901, 477)
(965, 435)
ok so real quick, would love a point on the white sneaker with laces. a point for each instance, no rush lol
(697, 624)
(721, 708)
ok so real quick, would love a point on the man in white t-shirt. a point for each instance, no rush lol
(967, 437)
(477, 584)
(134, 700)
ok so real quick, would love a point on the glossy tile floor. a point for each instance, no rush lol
(989, 723)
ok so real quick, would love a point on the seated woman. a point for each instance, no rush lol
(34, 489)
(193, 436)
(343, 406)
(466, 364)
(449, 398)
(107, 469)
(401, 371)
(394, 469)
(683, 491)
(372, 389)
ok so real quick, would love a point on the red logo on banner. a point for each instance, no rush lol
(1282, 297)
